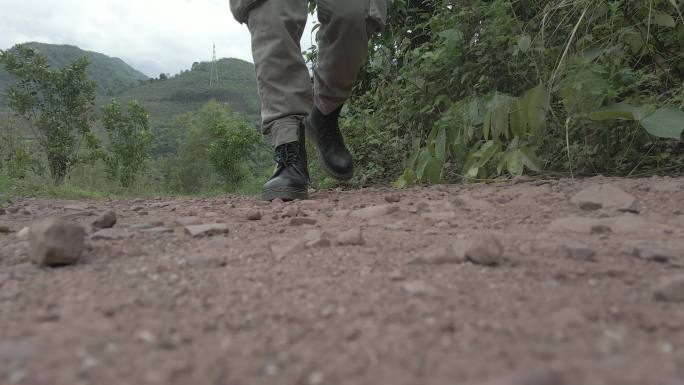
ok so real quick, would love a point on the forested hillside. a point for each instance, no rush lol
(112, 75)
(189, 90)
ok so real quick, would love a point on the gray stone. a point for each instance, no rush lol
(578, 251)
(4, 229)
(601, 228)
(418, 288)
(393, 198)
(604, 196)
(440, 216)
(187, 221)
(23, 233)
(439, 255)
(671, 289)
(471, 203)
(351, 237)
(106, 220)
(317, 239)
(158, 230)
(53, 242)
(253, 215)
(619, 225)
(485, 249)
(375, 211)
(300, 221)
(207, 230)
(654, 254)
(109, 234)
(142, 226)
(288, 248)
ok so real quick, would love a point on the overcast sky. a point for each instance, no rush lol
(154, 36)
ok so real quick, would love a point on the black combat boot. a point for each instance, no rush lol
(333, 155)
(291, 178)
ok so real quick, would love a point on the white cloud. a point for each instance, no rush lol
(152, 35)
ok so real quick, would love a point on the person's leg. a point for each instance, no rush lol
(342, 48)
(284, 84)
(285, 89)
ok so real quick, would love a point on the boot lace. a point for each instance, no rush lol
(287, 154)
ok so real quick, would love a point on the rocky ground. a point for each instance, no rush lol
(530, 282)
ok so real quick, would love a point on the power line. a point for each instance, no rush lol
(214, 76)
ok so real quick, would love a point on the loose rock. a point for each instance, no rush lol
(287, 248)
(253, 215)
(207, 230)
(23, 233)
(109, 234)
(4, 229)
(654, 254)
(187, 221)
(106, 220)
(604, 196)
(485, 249)
(671, 289)
(620, 225)
(53, 242)
(578, 251)
(375, 211)
(418, 288)
(158, 230)
(439, 255)
(352, 237)
(393, 198)
(300, 221)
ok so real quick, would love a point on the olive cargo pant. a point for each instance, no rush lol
(284, 83)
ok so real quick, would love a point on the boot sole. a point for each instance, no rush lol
(321, 160)
(286, 194)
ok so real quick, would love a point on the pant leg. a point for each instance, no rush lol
(284, 84)
(346, 26)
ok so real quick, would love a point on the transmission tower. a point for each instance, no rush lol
(214, 76)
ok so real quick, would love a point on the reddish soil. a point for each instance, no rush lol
(569, 303)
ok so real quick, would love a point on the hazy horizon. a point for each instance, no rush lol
(153, 37)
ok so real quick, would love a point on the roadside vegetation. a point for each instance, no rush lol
(452, 92)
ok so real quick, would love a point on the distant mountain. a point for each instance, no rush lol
(112, 75)
(190, 89)
(163, 98)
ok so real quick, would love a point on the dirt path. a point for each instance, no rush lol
(396, 300)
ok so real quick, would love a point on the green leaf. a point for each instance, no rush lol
(487, 151)
(524, 43)
(530, 159)
(514, 163)
(433, 170)
(423, 160)
(487, 125)
(440, 145)
(621, 111)
(518, 119)
(665, 123)
(500, 121)
(535, 103)
(402, 182)
(663, 19)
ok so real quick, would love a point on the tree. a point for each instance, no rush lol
(57, 103)
(213, 150)
(231, 139)
(129, 141)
